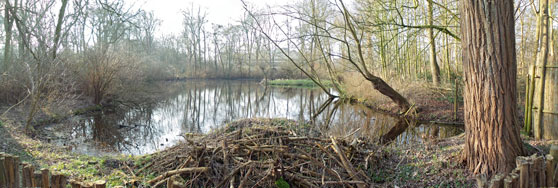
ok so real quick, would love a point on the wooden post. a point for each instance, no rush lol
(16, 164)
(523, 172)
(54, 180)
(496, 182)
(37, 179)
(27, 175)
(31, 176)
(538, 171)
(86, 185)
(9, 165)
(531, 171)
(100, 184)
(63, 181)
(44, 178)
(481, 181)
(508, 182)
(74, 184)
(550, 166)
(3, 179)
(515, 178)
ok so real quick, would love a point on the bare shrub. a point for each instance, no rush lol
(105, 71)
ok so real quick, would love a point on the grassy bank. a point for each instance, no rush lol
(58, 159)
(297, 83)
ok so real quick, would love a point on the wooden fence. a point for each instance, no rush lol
(531, 172)
(14, 174)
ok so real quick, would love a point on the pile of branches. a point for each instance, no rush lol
(256, 154)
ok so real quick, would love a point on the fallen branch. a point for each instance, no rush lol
(350, 169)
(179, 171)
(232, 174)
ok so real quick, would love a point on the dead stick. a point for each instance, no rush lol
(332, 157)
(339, 182)
(131, 171)
(185, 162)
(145, 167)
(232, 174)
(225, 158)
(348, 166)
(170, 183)
(245, 178)
(179, 171)
(297, 178)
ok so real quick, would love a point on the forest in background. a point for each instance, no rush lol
(92, 46)
(100, 50)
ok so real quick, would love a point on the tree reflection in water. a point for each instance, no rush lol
(202, 106)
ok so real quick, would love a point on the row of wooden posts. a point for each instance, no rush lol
(14, 174)
(531, 172)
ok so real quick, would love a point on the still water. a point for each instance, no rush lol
(203, 106)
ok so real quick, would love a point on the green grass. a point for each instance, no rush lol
(85, 110)
(298, 83)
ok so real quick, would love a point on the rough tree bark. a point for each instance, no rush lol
(489, 67)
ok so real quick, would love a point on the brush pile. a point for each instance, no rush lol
(264, 153)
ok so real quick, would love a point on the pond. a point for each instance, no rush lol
(203, 106)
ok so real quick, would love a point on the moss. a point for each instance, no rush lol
(85, 110)
(142, 160)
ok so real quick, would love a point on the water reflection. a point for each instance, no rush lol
(202, 106)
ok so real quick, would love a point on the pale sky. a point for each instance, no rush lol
(219, 11)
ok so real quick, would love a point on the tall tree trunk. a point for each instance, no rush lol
(545, 106)
(434, 68)
(542, 60)
(489, 68)
(8, 24)
(58, 30)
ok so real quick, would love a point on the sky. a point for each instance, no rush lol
(219, 11)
